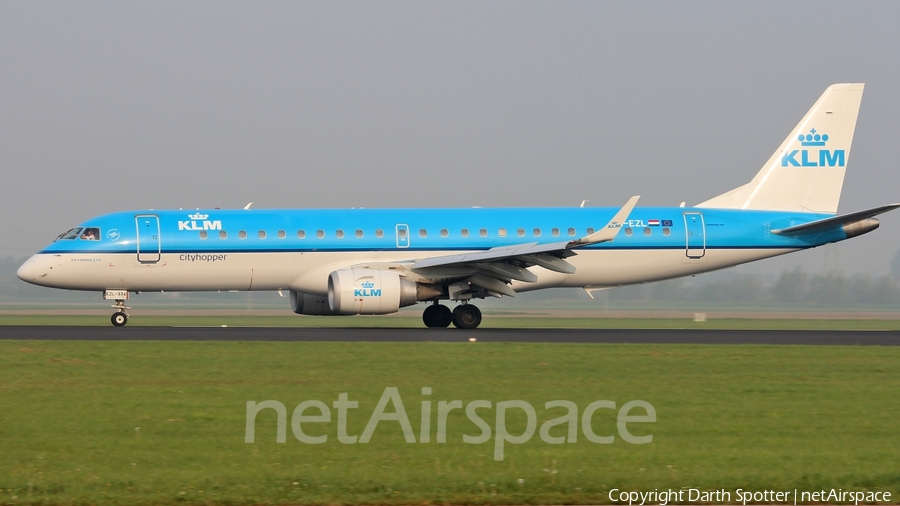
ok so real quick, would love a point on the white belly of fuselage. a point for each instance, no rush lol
(308, 271)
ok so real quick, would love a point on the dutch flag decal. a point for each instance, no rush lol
(653, 223)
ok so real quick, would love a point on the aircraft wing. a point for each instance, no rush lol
(493, 269)
(835, 221)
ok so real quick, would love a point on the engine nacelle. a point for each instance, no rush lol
(305, 303)
(369, 291)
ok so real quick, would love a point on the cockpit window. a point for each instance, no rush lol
(71, 234)
(90, 234)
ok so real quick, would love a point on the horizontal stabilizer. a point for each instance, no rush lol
(835, 221)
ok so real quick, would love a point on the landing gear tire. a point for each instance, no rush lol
(466, 317)
(119, 318)
(437, 316)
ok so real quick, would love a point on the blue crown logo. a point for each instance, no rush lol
(198, 216)
(368, 284)
(812, 138)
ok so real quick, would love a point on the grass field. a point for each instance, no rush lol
(490, 321)
(164, 422)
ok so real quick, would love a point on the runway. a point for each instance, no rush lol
(405, 335)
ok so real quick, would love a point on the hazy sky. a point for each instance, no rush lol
(107, 106)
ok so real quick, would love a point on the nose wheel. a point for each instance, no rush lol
(120, 317)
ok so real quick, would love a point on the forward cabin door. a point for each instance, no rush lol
(695, 231)
(149, 248)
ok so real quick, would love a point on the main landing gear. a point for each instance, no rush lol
(464, 316)
(120, 317)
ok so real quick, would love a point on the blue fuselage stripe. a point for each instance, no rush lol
(430, 230)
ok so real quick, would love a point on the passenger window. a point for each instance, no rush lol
(444, 232)
(666, 231)
(502, 232)
(537, 232)
(301, 234)
(482, 232)
(464, 232)
(281, 234)
(359, 234)
(647, 231)
(261, 234)
(628, 232)
(242, 234)
(402, 233)
(520, 232)
(571, 232)
(590, 230)
(339, 234)
(223, 234)
(379, 233)
(203, 234)
(423, 233)
(555, 232)
(320, 234)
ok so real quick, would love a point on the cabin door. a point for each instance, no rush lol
(695, 231)
(148, 245)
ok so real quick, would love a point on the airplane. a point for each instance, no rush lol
(376, 261)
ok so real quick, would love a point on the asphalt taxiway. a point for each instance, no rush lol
(450, 335)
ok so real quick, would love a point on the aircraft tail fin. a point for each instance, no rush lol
(806, 173)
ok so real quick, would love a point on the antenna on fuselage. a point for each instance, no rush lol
(248, 205)
(583, 202)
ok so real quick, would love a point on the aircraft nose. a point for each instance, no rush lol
(26, 271)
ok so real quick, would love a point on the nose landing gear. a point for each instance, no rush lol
(120, 317)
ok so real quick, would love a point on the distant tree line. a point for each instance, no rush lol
(793, 287)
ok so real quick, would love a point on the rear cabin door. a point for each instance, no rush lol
(695, 230)
(148, 244)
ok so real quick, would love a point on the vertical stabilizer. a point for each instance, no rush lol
(807, 172)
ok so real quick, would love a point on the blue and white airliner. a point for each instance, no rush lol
(375, 261)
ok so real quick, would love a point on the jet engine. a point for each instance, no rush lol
(369, 291)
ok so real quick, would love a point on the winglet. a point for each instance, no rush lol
(609, 232)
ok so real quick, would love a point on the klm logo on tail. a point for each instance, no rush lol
(825, 158)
